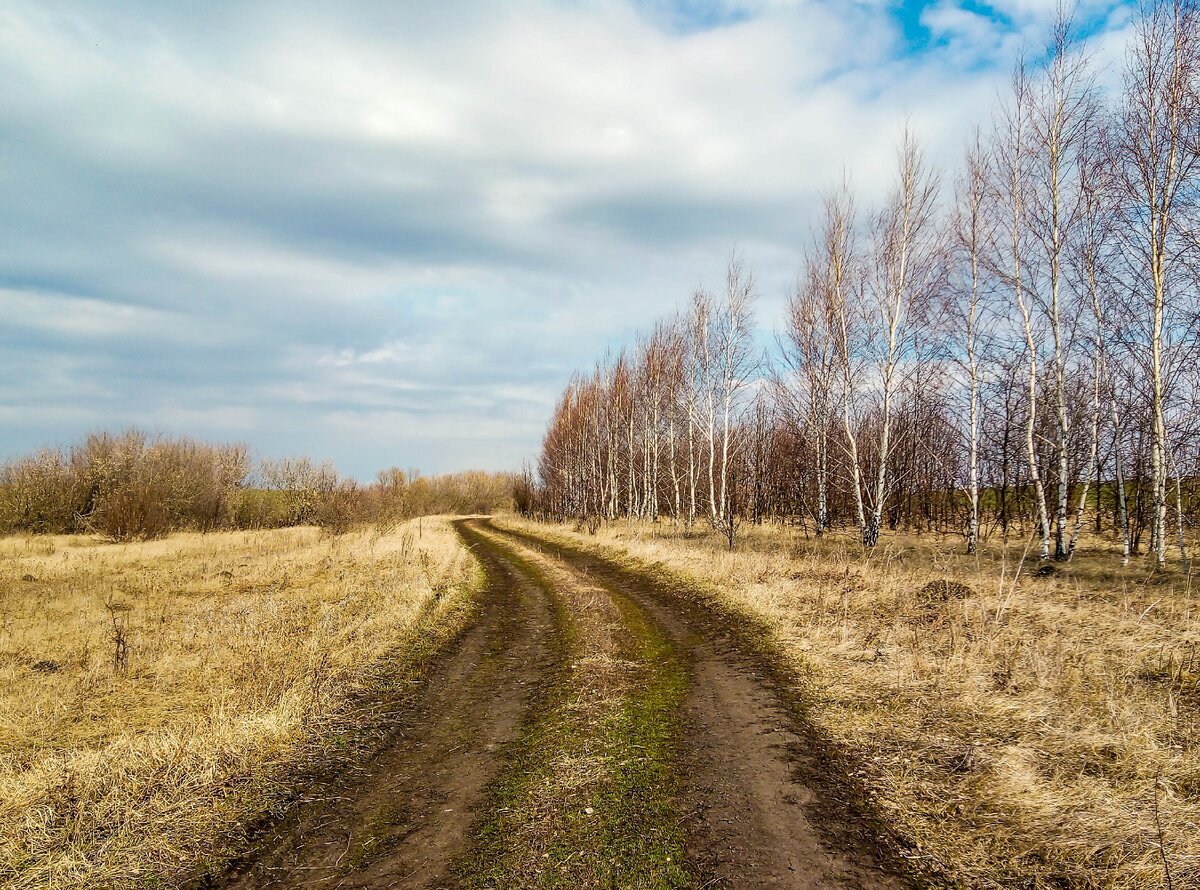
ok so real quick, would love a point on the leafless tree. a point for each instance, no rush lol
(1154, 156)
(967, 305)
(839, 277)
(905, 273)
(810, 358)
(1011, 259)
(1062, 108)
(735, 366)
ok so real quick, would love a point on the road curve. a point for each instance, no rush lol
(591, 727)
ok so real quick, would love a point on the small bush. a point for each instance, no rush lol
(943, 590)
(40, 494)
(261, 508)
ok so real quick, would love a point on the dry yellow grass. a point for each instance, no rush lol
(1027, 732)
(124, 767)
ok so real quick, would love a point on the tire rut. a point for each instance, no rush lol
(403, 817)
(760, 805)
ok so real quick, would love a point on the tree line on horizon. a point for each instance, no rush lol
(1007, 348)
(134, 485)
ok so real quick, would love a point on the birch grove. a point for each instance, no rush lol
(1014, 355)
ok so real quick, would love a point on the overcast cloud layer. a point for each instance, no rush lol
(386, 234)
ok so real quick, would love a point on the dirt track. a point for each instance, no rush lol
(741, 790)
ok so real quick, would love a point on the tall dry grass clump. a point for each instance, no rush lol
(156, 696)
(1021, 727)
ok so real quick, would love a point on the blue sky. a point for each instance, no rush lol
(387, 234)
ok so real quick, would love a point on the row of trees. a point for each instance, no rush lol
(134, 485)
(1013, 347)
(657, 429)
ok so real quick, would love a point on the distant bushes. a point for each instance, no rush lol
(472, 491)
(313, 494)
(135, 486)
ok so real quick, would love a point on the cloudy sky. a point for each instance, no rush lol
(386, 232)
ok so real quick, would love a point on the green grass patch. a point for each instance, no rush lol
(588, 799)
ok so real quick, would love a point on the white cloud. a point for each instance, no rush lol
(297, 208)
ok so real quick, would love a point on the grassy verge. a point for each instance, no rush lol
(1015, 729)
(587, 800)
(156, 699)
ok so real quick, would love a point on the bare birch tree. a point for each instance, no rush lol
(735, 365)
(1062, 109)
(809, 355)
(969, 224)
(905, 269)
(839, 275)
(1155, 159)
(1011, 261)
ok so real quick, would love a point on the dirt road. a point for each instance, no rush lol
(592, 728)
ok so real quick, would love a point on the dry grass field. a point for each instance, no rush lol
(155, 697)
(1019, 730)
